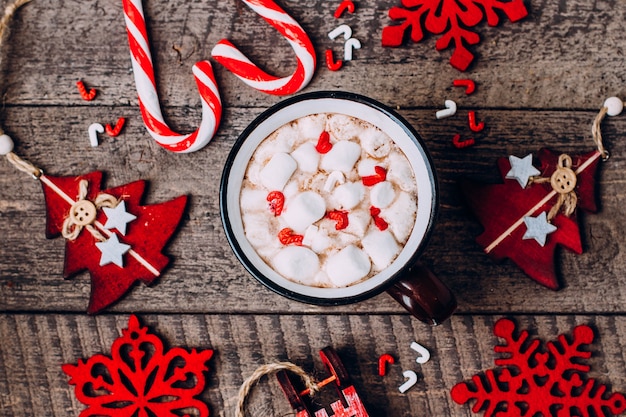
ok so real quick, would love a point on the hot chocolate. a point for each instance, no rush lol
(328, 200)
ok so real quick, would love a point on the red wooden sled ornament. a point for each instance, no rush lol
(348, 405)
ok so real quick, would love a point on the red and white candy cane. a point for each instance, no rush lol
(145, 82)
(228, 55)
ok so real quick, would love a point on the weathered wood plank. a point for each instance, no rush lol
(206, 277)
(563, 55)
(34, 347)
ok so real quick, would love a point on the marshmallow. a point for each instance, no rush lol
(322, 280)
(253, 200)
(277, 171)
(349, 195)
(307, 157)
(303, 210)
(382, 194)
(268, 148)
(309, 235)
(286, 137)
(367, 166)
(401, 216)
(334, 178)
(347, 266)
(344, 127)
(400, 171)
(297, 263)
(311, 127)
(291, 189)
(316, 239)
(381, 247)
(257, 229)
(358, 221)
(341, 157)
(375, 142)
(345, 239)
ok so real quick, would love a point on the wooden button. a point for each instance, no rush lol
(563, 180)
(83, 212)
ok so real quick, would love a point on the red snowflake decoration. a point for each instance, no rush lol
(451, 19)
(142, 238)
(141, 378)
(538, 382)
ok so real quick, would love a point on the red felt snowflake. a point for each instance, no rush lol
(503, 208)
(539, 382)
(451, 19)
(141, 378)
(118, 248)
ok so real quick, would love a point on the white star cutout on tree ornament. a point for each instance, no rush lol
(118, 217)
(522, 169)
(538, 228)
(112, 251)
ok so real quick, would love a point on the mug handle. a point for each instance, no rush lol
(423, 295)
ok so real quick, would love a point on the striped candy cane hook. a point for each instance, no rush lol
(228, 55)
(145, 82)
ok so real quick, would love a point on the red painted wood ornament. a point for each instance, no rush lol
(536, 381)
(141, 377)
(453, 20)
(299, 387)
(109, 233)
(534, 210)
(348, 403)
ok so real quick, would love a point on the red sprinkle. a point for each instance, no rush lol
(115, 131)
(378, 221)
(383, 360)
(469, 85)
(460, 144)
(345, 5)
(276, 201)
(471, 116)
(323, 143)
(287, 237)
(380, 176)
(340, 216)
(331, 64)
(86, 95)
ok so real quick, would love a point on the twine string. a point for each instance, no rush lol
(9, 11)
(22, 164)
(568, 201)
(5, 21)
(71, 229)
(596, 132)
(271, 369)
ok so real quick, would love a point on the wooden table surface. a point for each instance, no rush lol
(540, 82)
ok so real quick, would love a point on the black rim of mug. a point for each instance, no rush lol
(341, 95)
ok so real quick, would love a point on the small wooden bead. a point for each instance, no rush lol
(6, 144)
(614, 106)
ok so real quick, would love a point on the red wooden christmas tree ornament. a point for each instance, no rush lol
(109, 233)
(141, 378)
(516, 214)
(537, 381)
(452, 19)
